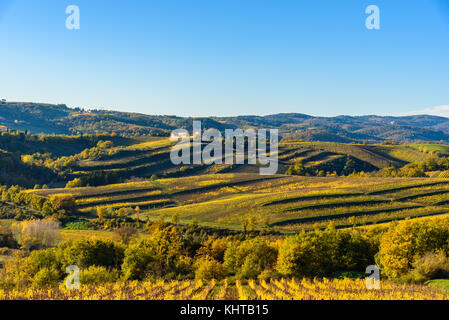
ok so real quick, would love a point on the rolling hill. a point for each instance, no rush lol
(60, 119)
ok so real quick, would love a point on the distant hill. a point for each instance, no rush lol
(100, 159)
(60, 119)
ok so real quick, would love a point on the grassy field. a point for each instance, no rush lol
(91, 235)
(439, 283)
(440, 148)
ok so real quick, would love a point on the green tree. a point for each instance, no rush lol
(207, 268)
(250, 258)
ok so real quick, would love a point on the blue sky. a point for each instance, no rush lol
(228, 57)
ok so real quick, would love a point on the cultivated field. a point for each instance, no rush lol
(147, 158)
(281, 203)
(344, 289)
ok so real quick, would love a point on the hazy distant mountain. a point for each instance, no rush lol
(59, 119)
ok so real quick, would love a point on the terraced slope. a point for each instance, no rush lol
(290, 204)
(379, 156)
(153, 158)
(280, 203)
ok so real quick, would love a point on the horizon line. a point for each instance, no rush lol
(403, 115)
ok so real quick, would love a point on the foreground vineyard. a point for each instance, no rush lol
(344, 289)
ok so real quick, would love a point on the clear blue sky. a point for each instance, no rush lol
(228, 57)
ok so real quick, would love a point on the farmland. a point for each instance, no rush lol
(227, 196)
(140, 227)
(235, 198)
(301, 203)
(152, 157)
(205, 153)
(282, 289)
(283, 204)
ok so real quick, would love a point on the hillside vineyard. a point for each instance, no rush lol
(109, 215)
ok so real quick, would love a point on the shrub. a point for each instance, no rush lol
(78, 225)
(126, 233)
(214, 248)
(207, 268)
(405, 241)
(41, 268)
(102, 212)
(86, 253)
(75, 183)
(46, 277)
(160, 255)
(97, 275)
(40, 233)
(304, 255)
(320, 253)
(6, 238)
(47, 267)
(138, 257)
(64, 202)
(250, 258)
(428, 267)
